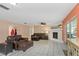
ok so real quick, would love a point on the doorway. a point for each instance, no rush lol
(55, 35)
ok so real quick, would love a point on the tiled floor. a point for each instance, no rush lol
(42, 48)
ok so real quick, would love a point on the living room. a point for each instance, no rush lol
(33, 29)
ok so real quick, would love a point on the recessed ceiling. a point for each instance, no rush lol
(34, 13)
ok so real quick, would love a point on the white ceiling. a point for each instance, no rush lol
(33, 13)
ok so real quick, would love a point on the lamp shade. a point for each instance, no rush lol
(12, 31)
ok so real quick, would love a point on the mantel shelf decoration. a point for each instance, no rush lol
(43, 23)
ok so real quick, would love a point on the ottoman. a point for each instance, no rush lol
(24, 45)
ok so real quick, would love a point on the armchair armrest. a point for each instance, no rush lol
(6, 48)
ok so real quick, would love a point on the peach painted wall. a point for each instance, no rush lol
(26, 30)
(68, 18)
(41, 28)
(22, 29)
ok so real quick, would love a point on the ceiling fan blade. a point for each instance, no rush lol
(6, 8)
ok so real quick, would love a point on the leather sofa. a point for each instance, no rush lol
(38, 36)
(35, 37)
(20, 43)
(15, 42)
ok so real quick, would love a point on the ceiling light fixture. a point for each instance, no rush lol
(13, 4)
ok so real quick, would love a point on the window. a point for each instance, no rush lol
(71, 29)
(68, 30)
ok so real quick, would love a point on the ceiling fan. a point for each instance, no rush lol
(4, 7)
